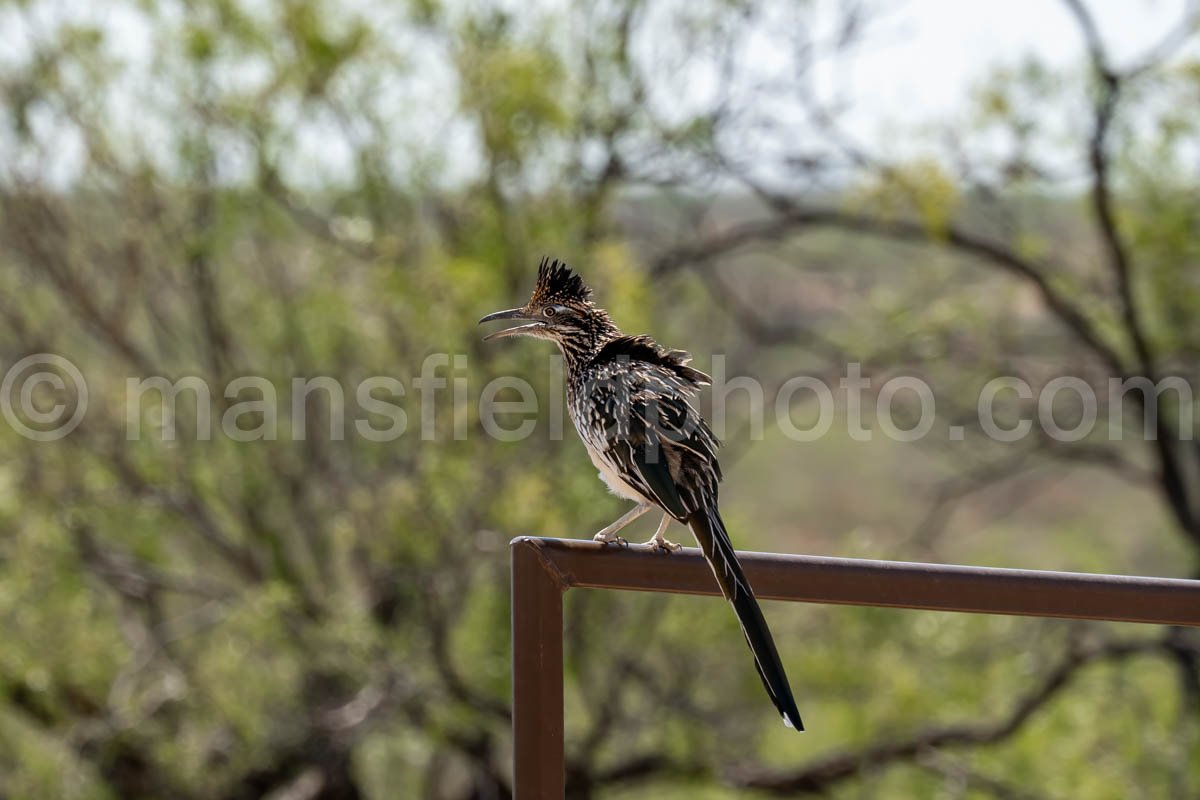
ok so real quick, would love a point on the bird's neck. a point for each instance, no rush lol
(580, 349)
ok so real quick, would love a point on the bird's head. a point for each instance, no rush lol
(560, 309)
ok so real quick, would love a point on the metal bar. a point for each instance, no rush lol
(891, 584)
(537, 637)
(544, 568)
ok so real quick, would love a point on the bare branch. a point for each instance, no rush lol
(1104, 107)
(794, 221)
(958, 771)
(1091, 36)
(824, 773)
(763, 332)
(1110, 84)
(1175, 38)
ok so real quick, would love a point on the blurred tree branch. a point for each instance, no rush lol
(822, 774)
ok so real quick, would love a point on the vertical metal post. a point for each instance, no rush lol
(537, 640)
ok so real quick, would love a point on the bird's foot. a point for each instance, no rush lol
(610, 538)
(660, 542)
(664, 544)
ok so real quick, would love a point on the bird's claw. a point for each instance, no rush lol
(666, 545)
(610, 539)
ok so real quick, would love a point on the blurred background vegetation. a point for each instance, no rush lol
(302, 188)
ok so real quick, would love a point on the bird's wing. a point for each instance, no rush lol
(656, 475)
(658, 442)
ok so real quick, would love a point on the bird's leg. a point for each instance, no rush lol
(660, 542)
(609, 534)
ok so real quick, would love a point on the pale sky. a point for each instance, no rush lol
(922, 59)
(932, 51)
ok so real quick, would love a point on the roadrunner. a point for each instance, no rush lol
(629, 398)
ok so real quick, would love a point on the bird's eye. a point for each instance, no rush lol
(550, 311)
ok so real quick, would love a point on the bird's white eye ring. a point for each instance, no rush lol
(550, 311)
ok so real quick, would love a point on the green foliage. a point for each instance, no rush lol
(511, 87)
(924, 187)
(268, 190)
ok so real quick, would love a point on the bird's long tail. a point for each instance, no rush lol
(710, 532)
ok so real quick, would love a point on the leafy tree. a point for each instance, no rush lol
(205, 192)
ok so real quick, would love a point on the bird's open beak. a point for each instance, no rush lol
(512, 313)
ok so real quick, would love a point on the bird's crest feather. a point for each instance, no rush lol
(557, 283)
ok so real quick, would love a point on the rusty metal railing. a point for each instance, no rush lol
(543, 569)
